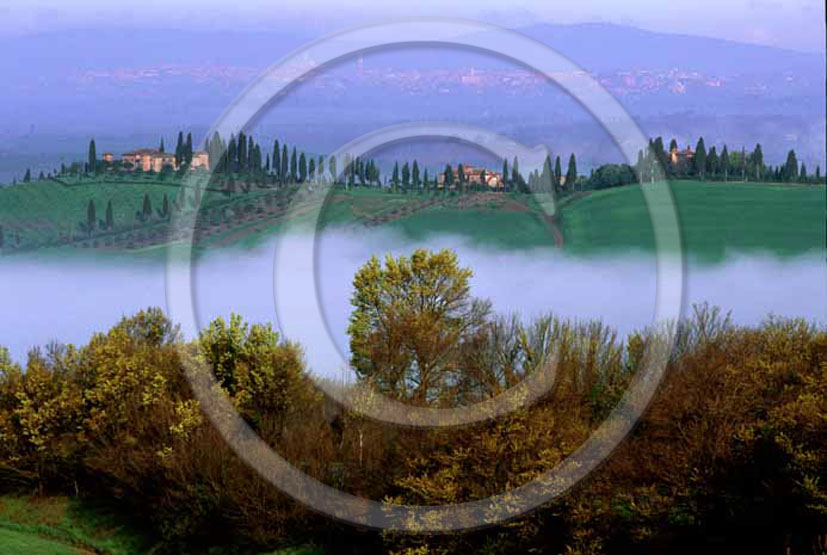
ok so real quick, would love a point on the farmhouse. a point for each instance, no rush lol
(152, 159)
(681, 156)
(476, 176)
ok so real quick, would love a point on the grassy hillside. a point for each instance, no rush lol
(714, 218)
(59, 525)
(63, 526)
(46, 211)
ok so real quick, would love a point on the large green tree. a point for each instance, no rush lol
(409, 318)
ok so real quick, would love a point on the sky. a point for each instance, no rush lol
(793, 24)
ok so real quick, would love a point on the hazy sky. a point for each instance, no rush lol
(797, 24)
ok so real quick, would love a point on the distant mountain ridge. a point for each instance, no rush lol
(60, 88)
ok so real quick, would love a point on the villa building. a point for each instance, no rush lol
(681, 156)
(152, 159)
(476, 176)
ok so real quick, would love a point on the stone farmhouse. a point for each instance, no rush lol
(475, 176)
(152, 159)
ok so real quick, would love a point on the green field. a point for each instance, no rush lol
(64, 526)
(714, 218)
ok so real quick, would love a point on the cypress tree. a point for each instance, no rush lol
(406, 175)
(724, 163)
(449, 177)
(818, 174)
(28, 176)
(516, 178)
(699, 161)
(571, 174)
(758, 161)
(802, 175)
(712, 162)
(276, 160)
(188, 149)
(146, 210)
(302, 168)
(790, 171)
(93, 157)
(331, 167)
(425, 182)
(547, 176)
(505, 173)
(395, 175)
(558, 172)
(91, 217)
(161, 146)
(179, 149)
(659, 154)
(284, 160)
(415, 174)
(294, 166)
(110, 217)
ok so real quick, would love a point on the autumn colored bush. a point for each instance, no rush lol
(731, 455)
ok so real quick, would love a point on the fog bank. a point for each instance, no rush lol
(68, 299)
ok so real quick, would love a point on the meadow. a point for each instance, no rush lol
(715, 218)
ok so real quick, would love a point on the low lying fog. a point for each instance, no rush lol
(68, 299)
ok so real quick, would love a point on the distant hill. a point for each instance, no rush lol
(129, 86)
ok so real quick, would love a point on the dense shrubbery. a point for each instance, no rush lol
(730, 457)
